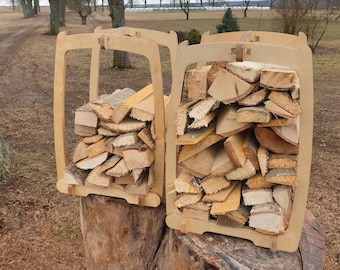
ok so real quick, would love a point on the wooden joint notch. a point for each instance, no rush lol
(71, 190)
(273, 247)
(184, 225)
(141, 200)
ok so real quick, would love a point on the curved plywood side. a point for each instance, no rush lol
(263, 37)
(298, 58)
(168, 40)
(96, 41)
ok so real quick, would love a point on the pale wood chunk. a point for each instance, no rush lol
(200, 164)
(196, 213)
(240, 215)
(74, 176)
(267, 218)
(92, 139)
(143, 186)
(283, 196)
(124, 139)
(182, 117)
(80, 151)
(246, 70)
(124, 180)
(257, 196)
(90, 163)
(127, 125)
(204, 122)
(276, 109)
(241, 173)
(258, 181)
(136, 174)
(146, 137)
(107, 132)
(84, 130)
(271, 141)
(118, 170)
(145, 109)
(85, 116)
(195, 136)
(110, 162)
(233, 147)
(188, 151)
(275, 122)
(250, 147)
(140, 157)
(201, 109)
(213, 185)
(109, 146)
(96, 148)
(185, 199)
(226, 124)
(290, 132)
(277, 161)
(125, 106)
(231, 203)
(104, 111)
(215, 67)
(228, 88)
(278, 78)
(183, 183)
(262, 157)
(221, 195)
(98, 177)
(282, 176)
(253, 114)
(222, 164)
(196, 83)
(254, 98)
(118, 151)
(114, 185)
(284, 100)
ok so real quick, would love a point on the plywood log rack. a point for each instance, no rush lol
(297, 57)
(133, 40)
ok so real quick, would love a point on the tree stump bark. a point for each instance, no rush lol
(118, 235)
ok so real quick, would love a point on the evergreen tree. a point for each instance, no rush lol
(229, 23)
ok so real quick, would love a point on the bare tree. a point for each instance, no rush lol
(117, 14)
(62, 11)
(54, 17)
(305, 16)
(27, 8)
(184, 5)
(82, 7)
(246, 2)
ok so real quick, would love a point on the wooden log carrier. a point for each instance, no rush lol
(122, 234)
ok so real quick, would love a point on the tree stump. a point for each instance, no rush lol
(118, 235)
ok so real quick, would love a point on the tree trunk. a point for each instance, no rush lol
(62, 11)
(54, 17)
(27, 8)
(122, 236)
(117, 14)
(118, 235)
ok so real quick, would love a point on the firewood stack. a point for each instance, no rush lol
(237, 138)
(118, 141)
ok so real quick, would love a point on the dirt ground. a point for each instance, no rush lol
(39, 227)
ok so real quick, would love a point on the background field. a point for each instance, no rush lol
(39, 227)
